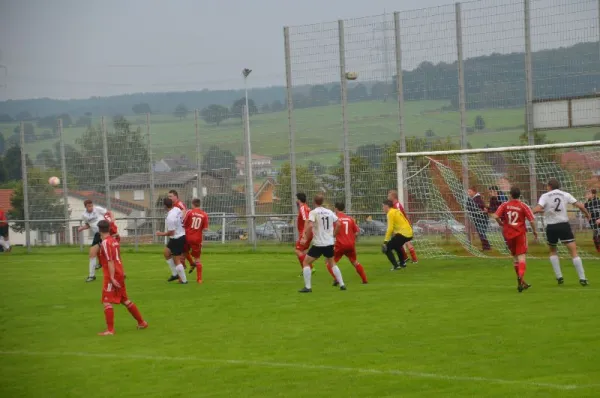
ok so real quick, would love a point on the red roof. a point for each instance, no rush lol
(5, 195)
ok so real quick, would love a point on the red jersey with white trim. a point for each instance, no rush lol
(346, 235)
(303, 212)
(398, 205)
(513, 215)
(110, 250)
(194, 222)
(114, 230)
(181, 205)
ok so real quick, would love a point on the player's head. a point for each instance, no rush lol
(340, 206)
(553, 184)
(387, 205)
(319, 199)
(493, 190)
(89, 205)
(591, 193)
(300, 198)
(168, 202)
(196, 203)
(392, 195)
(472, 191)
(515, 193)
(104, 226)
(173, 195)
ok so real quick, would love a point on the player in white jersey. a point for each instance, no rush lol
(320, 225)
(554, 206)
(174, 249)
(90, 218)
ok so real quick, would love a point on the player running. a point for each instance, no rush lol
(174, 249)
(195, 222)
(399, 231)
(511, 217)
(554, 206)
(393, 196)
(4, 242)
(345, 234)
(320, 226)
(113, 288)
(91, 217)
(174, 196)
(303, 212)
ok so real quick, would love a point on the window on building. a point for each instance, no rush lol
(138, 194)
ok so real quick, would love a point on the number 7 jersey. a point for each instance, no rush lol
(513, 215)
(346, 235)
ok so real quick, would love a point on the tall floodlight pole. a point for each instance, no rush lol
(248, 155)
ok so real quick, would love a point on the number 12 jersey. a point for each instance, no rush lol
(513, 215)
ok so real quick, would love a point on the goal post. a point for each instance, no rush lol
(444, 213)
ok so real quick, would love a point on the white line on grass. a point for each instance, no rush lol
(392, 372)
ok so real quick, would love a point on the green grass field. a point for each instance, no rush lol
(320, 129)
(446, 327)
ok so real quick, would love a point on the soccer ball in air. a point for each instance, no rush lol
(351, 75)
(54, 181)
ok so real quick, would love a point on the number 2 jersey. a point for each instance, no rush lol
(555, 206)
(513, 215)
(346, 234)
(195, 222)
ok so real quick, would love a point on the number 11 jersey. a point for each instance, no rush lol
(323, 220)
(513, 215)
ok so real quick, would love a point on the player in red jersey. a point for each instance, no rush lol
(303, 211)
(114, 230)
(174, 196)
(345, 233)
(195, 222)
(113, 289)
(511, 216)
(393, 196)
(4, 242)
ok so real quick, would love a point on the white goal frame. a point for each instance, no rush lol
(402, 156)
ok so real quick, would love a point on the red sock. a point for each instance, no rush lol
(301, 259)
(133, 310)
(522, 267)
(516, 265)
(413, 254)
(403, 252)
(190, 259)
(331, 272)
(199, 272)
(109, 315)
(361, 272)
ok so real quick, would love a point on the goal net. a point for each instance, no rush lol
(450, 195)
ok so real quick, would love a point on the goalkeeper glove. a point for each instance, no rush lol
(384, 247)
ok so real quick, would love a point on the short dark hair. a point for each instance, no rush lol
(515, 192)
(174, 192)
(88, 202)
(388, 203)
(301, 196)
(196, 202)
(103, 226)
(554, 183)
(319, 199)
(340, 206)
(168, 203)
(593, 191)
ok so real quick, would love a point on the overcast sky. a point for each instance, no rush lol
(83, 48)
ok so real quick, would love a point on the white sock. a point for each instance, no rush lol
(556, 266)
(579, 267)
(181, 272)
(307, 272)
(338, 274)
(171, 265)
(4, 243)
(92, 267)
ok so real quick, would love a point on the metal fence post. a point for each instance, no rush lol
(291, 125)
(529, 102)
(25, 189)
(344, 98)
(151, 172)
(65, 186)
(106, 169)
(199, 194)
(249, 183)
(402, 194)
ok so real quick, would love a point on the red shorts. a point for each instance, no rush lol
(340, 252)
(113, 295)
(194, 247)
(517, 245)
(302, 247)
